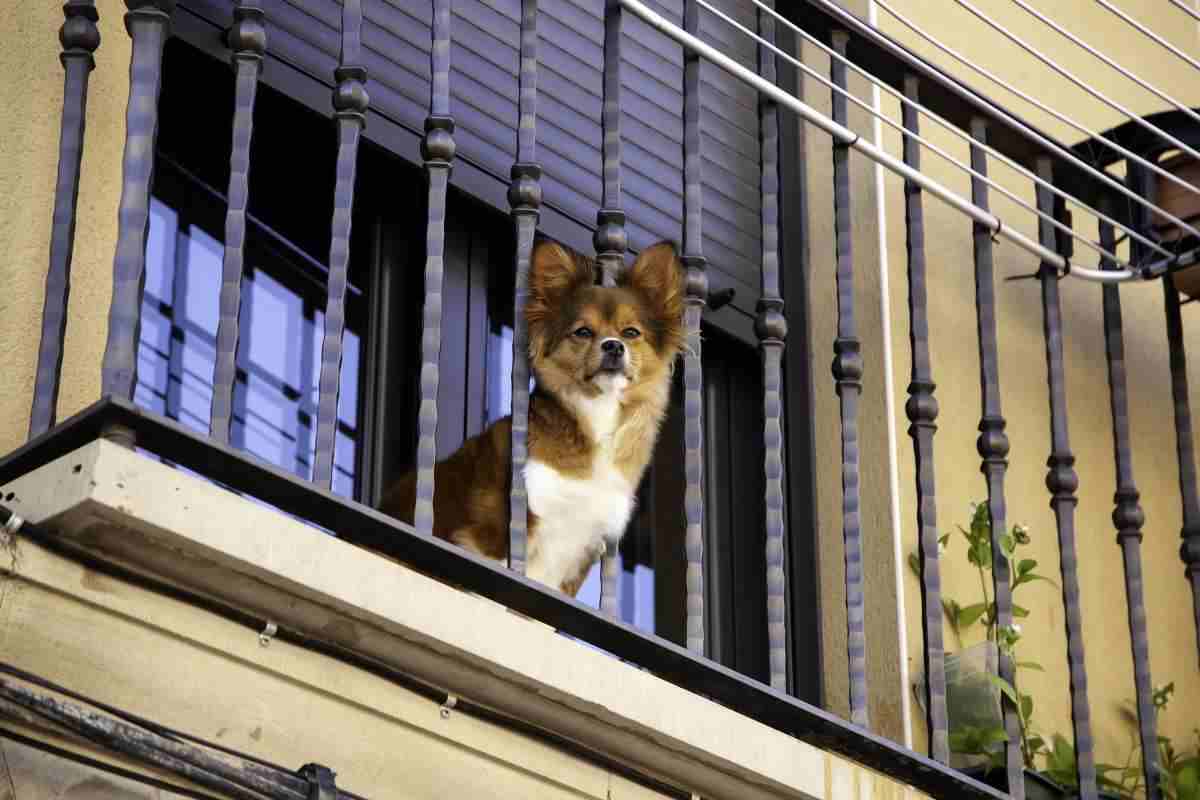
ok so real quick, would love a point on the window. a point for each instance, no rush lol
(282, 327)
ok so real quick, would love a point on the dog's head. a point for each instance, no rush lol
(590, 339)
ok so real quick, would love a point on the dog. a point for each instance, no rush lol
(602, 358)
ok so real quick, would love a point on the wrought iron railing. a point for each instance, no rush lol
(1060, 174)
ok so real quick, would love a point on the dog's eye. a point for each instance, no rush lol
(583, 333)
(631, 333)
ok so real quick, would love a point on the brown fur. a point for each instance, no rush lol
(471, 486)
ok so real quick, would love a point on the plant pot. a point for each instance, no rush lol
(972, 699)
(1037, 785)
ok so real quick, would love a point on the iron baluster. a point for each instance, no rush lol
(847, 373)
(525, 198)
(148, 22)
(1128, 518)
(693, 376)
(1189, 550)
(1141, 183)
(1062, 481)
(437, 149)
(610, 238)
(771, 327)
(248, 41)
(350, 101)
(80, 36)
(993, 448)
(922, 411)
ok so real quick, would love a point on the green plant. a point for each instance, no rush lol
(1179, 772)
(984, 741)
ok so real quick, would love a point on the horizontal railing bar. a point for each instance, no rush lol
(1129, 154)
(1085, 86)
(1059, 29)
(1160, 41)
(979, 105)
(963, 135)
(363, 526)
(928, 144)
(849, 138)
(1185, 9)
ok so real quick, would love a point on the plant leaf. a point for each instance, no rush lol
(1005, 688)
(1008, 544)
(914, 564)
(970, 615)
(1033, 665)
(1062, 757)
(1187, 780)
(1026, 565)
(1026, 706)
(993, 736)
(1030, 577)
(1020, 611)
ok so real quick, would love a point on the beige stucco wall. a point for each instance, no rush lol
(1023, 379)
(31, 94)
(193, 671)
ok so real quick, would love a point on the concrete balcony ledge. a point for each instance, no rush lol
(177, 663)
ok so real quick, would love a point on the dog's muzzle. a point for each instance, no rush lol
(612, 358)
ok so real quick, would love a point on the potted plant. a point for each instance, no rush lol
(973, 692)
(973, 687)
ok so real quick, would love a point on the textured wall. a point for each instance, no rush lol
(1023, 373)
(31, 94)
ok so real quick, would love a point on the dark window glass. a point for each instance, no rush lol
(281, 327)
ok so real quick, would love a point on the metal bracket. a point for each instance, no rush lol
(451, 702)
(12, 524)
(268, 633)
(720, 298)
(321, 784)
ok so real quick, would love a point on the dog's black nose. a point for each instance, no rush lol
(612, 347)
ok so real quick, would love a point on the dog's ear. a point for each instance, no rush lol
(554, 273)
(658, 276)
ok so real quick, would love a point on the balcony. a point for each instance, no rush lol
(202, 595)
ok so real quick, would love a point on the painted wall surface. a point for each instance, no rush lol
(31, 94)
(1023, 372)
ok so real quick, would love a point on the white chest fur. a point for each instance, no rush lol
(578, 516)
